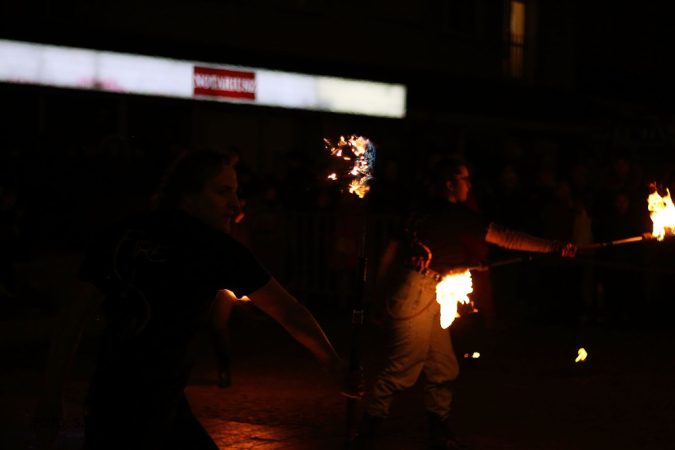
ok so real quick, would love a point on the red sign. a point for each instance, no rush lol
(224, 83)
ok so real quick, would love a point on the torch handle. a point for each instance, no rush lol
(504, 262)
(529, 257)
(355, 338)
(611, 243)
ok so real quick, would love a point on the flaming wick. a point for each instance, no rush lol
(582, 355)
(662, 212)
(363, 154)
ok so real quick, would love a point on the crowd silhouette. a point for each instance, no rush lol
(55, 195)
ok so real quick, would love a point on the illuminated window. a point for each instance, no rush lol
(515, 38)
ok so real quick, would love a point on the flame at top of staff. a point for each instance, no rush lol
(362, 152)
(662, 212)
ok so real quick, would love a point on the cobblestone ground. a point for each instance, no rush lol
(525, 392)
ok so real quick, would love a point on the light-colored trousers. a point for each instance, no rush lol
(416, 343)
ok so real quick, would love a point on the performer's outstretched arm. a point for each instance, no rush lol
(516, 240)
(299, 322)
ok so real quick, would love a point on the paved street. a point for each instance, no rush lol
(525, 392)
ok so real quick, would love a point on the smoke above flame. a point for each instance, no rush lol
(362, 152)
(662, 212)
(453, 288)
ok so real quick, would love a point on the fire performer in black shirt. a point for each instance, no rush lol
(160, 273)
(436, 241)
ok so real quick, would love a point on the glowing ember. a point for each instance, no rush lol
(363, 155)
(662, 212)
(474, 355)
(582, 355)
(453, 288)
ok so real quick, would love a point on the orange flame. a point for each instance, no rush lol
(582, 355)
(662, 212)
(363, 153)
(453, 288)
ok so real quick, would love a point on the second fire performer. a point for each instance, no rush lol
(435, 241)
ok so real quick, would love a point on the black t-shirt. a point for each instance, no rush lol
(448, 230)
(160, 273)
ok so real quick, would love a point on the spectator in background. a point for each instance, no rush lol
(622, 176)
(266, 228)
(343, 253)
(564, 218)
(387, 191)
(582, 190)
(619, 287)
(509, 201)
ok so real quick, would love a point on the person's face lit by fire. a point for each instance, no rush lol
(218, 203)
(458, 186)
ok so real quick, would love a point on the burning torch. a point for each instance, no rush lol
(456, 286)
(662, 213)
(355, 162)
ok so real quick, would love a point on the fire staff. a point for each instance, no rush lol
(435, 241)
(160, 273)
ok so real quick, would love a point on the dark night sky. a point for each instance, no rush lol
(622, 50)
(626, 50)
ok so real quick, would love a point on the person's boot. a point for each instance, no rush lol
(441, 436)
(365, 436)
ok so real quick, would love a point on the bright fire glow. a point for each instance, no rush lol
(582, 355)
(363, 154)
(79, 68)
(474, 355)
(662, 212)
(453, 288)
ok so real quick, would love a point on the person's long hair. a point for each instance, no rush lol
(188, 174)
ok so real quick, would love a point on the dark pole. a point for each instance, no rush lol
(362, 162)
(504, 262)
(357, 322)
